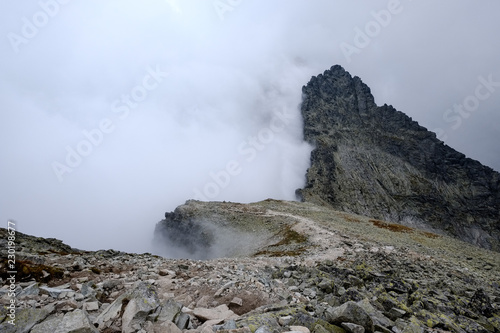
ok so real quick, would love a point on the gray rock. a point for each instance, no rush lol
(353, 328)
(166, 326)
(229, 325)
(110, 284)
(26, 319)
(224, 287)
(263, 329)
(220, 312)
(183, 321)
(236, 301)
(377, 316)
(143, 301)
(91, 306)
(301, 329)
(87, 289)
(76, 321)
(169, 311)
(395, 313)
(53, 292)
(350, 312)
(139, 303)
(285, 321)
(31, 290)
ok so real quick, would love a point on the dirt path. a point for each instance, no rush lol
(326, 244)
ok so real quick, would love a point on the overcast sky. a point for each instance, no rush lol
(114, 112)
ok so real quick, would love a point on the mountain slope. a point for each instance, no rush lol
(376, 161)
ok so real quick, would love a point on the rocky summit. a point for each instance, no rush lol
(376, 161)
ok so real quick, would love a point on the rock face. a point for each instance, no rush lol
(376, 161)
(202, 230)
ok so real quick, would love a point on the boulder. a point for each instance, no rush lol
(76, 321)
(221, 312)
(143, 301)
(350, 312)
(26, 319)
(136, 306)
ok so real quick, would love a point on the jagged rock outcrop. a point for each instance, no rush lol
(201, 230)
(376, 161)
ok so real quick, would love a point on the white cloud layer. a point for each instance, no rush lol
(164, 101)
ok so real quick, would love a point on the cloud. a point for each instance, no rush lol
(226, 80)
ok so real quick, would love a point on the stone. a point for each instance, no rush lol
(110, 314)
(139, 303)
(169, 311)
(166, 272)
(377, 316)
(220, 312)
(203, 302)
(263, 329)
(31, 290)
(224, 287)
(87, 291)
(91, 306)
(110, 284)
(353, 328)
(183, 321)
(284, 321)
(53, 292)
(301, 329)
(236, 330)
(350, 312)
(143, 301)
(481, 303)
(26, 319)
(395, 313)
(319, 329)
(166, 326)
(236, 301)
(75, 321)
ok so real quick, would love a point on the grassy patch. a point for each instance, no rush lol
(430, 235)
(279, 249)
(27, 270)
(349, 218)
(291, 237)
(391, 226)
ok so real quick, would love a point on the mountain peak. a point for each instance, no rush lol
(376, 161)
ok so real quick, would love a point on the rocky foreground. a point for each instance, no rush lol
(317, 270)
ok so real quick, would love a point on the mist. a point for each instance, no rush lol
(113, 113)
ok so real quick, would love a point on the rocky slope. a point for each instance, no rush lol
(376, 161)
(400, 279)
(314, 269)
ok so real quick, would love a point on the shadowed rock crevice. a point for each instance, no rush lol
(376, 161)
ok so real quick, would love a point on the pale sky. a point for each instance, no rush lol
(114, 112)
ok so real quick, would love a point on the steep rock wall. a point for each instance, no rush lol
(376, 161)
